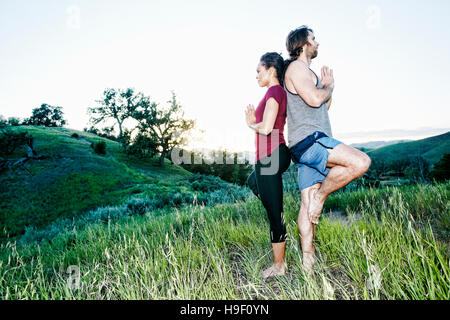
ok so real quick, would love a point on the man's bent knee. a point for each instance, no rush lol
(363, 164)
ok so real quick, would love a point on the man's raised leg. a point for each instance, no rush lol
(347, 164)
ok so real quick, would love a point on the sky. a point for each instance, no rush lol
(390, 60)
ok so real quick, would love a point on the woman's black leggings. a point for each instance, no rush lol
(267, 184)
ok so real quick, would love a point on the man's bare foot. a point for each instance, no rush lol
(315, 206)
(274, 270)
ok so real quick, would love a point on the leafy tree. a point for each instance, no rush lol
(10, 141)
(165, 128)
(142, 146)
(441, 170)
(13, 121)
(46, 115)
(118, 105)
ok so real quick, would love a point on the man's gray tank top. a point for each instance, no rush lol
(303, 120)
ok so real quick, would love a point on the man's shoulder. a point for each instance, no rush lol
(295, 68)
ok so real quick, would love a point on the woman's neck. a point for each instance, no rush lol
(273, 83)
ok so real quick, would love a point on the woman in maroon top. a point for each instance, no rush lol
(272, 154)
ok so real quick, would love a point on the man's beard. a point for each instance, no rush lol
(315, 54)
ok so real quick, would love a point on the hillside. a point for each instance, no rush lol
(431, 149)
(75, 179)
(377, 144)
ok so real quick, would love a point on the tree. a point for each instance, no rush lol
(118, 105)
(10, 140)
(46, 115)
(441, 170)
(142, 146)
(165, 128)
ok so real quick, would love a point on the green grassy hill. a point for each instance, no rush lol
(75, 180)
(431, 149)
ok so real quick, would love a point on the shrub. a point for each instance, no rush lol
(140, 205)
(206, 183)
(14, 122)
(229, 195)
(103, 214)
(10, 140)
(32, 234)
(99, 147)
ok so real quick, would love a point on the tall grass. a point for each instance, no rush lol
(378, 252)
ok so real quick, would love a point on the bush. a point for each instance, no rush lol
(441, 170)
(32, 234)
(206, 183)
(3, 121)
(14, 122)
(141, 206)
(99, 147)
(103, 214)
(10, 140)
(229, 195)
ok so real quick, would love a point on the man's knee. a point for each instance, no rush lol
(363, 164)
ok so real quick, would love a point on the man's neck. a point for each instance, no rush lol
(305, 59)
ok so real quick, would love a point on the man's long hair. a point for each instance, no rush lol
(295, 41)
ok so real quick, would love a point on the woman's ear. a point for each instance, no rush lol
(273, 72)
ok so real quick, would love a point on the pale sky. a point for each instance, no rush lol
(390, 59)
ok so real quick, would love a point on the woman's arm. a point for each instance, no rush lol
(270, 115)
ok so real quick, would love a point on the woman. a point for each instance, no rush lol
(272, 154)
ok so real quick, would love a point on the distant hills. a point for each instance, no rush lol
(377, 144)
(392, 134)
(431, 149)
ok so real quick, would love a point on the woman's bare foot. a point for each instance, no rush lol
(315, 206)
(274, 270)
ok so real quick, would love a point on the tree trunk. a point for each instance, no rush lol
(161, 159)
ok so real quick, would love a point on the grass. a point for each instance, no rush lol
(218, 252)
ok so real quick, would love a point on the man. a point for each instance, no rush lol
(324, 164)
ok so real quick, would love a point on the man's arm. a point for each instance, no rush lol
(329, 103)
(304, 86)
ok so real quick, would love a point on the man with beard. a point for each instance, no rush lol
(324, 164)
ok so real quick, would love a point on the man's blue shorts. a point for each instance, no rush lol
(311, 157)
